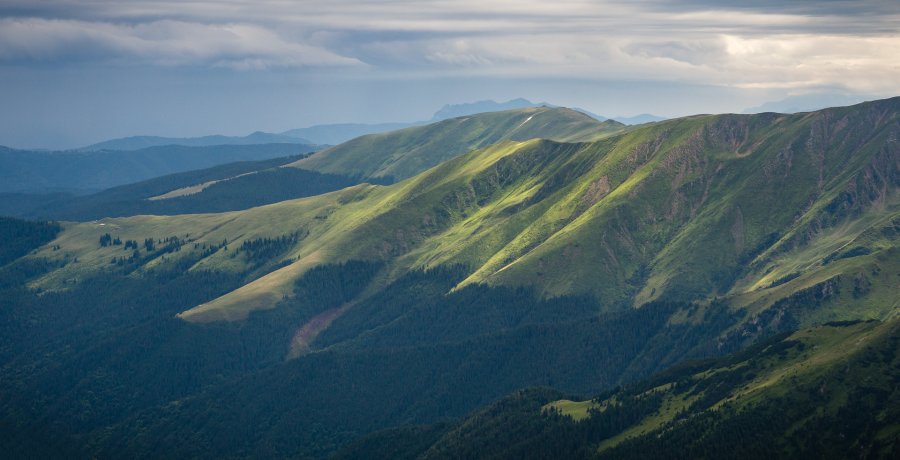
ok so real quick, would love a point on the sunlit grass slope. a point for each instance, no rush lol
(756, 208)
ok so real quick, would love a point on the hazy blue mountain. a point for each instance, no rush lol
(590, 114)
(639, 119)
(337, 133)
(141, 142)
(470, 108)
(26, 171)
(808, 103)
(227, 187)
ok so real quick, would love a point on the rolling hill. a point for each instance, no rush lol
(407, 152)
(337, 133)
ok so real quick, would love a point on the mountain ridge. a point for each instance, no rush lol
(401, 154)
(337, 133)
(487, 105)
(28, 171)
(141, 142)
(228, 187)
(516, 210)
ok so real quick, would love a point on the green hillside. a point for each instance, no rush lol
(297, 328)
(407, 152)
(21, 237)
(825, 392)
(757, 208)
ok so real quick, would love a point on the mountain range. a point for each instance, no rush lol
(228, 187)
(679, 208)
(336, 133)
(242, 185)
(24, 171)
(143, 142)
(527, 283)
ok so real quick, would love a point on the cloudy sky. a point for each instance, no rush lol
(73, 72)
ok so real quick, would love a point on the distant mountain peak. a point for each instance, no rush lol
(639, 119)
(487, 105)
(809, 102)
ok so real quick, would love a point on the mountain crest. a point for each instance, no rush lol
(691, 208)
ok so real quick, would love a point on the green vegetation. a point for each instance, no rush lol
(406, 152)
(743, 207)
(295, 328)
(20, 237)
(826, 392)
(111, 367)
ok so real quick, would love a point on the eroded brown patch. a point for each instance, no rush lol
(596, 191)
(306, 334)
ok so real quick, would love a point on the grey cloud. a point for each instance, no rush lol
(361, 57)
(837, 16)
(691, 52)
(858, 17)
(842, 8)
(165, 42)
(713, 42)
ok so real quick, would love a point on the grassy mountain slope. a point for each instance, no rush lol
(758, 208)
(824, 392)
(111, 343)
(407, 152)
(41, 172)
(108, 367)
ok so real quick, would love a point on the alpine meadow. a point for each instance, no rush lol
(511, 280)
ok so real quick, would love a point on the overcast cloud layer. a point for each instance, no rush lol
(79, 71)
